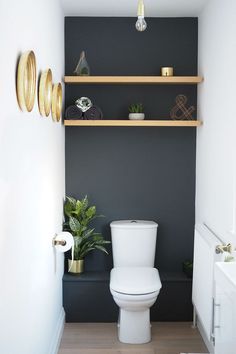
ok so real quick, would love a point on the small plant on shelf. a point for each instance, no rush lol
(78, 216)
(136, 111)
(188, 268)
(136, 108)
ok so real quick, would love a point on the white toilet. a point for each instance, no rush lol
(134, 283)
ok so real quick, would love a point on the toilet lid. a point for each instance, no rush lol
(135, 280)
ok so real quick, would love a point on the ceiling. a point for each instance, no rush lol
(153, 8)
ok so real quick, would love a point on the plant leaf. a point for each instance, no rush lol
(84, 203)
(78, 207)
(69, 206)
(74, 224)
(91, 212)
(101, 248)
(71, 200)
(88, 233)
(78, 241)
(86, 251)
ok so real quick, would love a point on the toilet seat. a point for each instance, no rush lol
(135, 280)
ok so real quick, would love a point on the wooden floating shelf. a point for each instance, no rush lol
(133, 79)
(133, 123)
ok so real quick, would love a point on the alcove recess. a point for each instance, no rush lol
(143, 172)
(137, 80)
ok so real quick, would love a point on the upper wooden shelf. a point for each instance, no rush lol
(133, 123)
(133, 79)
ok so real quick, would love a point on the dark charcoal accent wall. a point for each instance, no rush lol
(114, 47)
(129, 173)
(137, 173)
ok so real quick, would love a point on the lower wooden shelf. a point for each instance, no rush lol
(132, 123)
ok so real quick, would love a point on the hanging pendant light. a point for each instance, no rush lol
(141, 24)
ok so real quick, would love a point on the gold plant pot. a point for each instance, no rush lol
(76, 266)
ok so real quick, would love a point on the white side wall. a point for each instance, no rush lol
(31, 184)
(216, 140)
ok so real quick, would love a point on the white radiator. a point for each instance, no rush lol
(205, 243)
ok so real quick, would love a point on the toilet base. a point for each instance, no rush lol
(134, 326)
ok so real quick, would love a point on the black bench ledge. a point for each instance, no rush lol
(104, 276)
(82, 294)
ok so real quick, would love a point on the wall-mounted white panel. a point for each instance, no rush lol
(31, 184)
(216, 143)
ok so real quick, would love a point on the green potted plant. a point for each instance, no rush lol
(78, 216)
(136, 111)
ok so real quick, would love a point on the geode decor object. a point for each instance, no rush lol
(83, 103)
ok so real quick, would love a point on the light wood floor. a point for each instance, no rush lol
(101, 338)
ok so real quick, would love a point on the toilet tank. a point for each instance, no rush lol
(133, 243)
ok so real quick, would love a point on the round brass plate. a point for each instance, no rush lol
(45, 92)
(56, 102)
(26, 81)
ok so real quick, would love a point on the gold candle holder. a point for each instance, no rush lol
(167, 71)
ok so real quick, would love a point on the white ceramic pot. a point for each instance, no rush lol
(136, 116)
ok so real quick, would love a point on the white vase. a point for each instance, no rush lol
(136, 116)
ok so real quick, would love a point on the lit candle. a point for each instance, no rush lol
(167, 71)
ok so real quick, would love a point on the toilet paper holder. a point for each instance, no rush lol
(63, 242)
(58, 242)
(225, 248)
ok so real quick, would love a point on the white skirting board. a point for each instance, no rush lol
(56, 340)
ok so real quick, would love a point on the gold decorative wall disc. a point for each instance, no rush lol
(45, 92)
(56, 102)
(26, 81)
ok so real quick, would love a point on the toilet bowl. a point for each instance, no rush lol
(134, 290)
(134, 282)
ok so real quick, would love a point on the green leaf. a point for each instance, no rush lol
(88, 233)
(83, 228)
(97, 236)
(78, 241)
(74, 224)
(78, 207)
(71, 200)
(84, 203)
(102, 242)
(136, 108)
(87, 251)
(91, 212)
(68, 209)
(101, 248)
(69, 206)
(87, 247)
